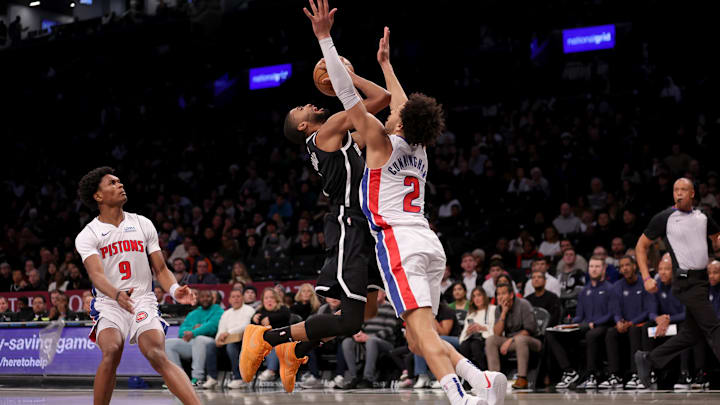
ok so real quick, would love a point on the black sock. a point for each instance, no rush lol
(278, 336)
(303, 348)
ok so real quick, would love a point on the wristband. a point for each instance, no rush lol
(118, 295)
(172, 290)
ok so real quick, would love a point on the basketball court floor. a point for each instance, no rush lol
(12, 396)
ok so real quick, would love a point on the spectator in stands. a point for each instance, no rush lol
(542, 298)
(282, 206)
(240, 274)
(59, 283)
(617, 247)
(571, 261)
(50, 271)
(159, 295)
(496, 269)
(37, 313)
(5, 314)
(84, 315)
(593, 318)
(526, 257)
(182, 251)
(306, 301)
(196, 333)
(180, 271)
(54, 294)
(273, 314)
(194, 257)
(446, 283)
(630, 305)
(203, 275)
(702, 353)
(223, 269)
(470, 276)
(478, 327)
(62, 311)
(513, 332)
(18, 281)
(6, 279)
(77, 281)
(567, 223)
(597, 199)
(459, 294)
(552, 284)
(35, 283)
(550, 246)
(667, 311)
(274, 243)
(250, 297)
(232, 324)
(449, 329)
(378, 336)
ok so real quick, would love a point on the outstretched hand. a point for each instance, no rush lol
(321, 18)
(383, 53)
(183, 295)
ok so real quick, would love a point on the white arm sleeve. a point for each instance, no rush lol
(339, 77)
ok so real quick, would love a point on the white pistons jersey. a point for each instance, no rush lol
(123, 250)
(394, 194)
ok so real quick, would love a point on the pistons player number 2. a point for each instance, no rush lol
(125, 270)
(412, 194)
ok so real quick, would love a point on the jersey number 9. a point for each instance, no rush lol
(125, 269)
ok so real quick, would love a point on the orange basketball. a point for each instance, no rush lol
(320, 73)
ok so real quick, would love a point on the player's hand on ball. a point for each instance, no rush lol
(383, 53)
(183, 295)
(321, 19)
(124, 300)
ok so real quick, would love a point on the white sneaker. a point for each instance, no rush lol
(311, 382)
(473, 400)
(267, 375)
(406, 383)
(210, 383)
(236, 384)
(497, 387)
(339, 380)
(422, 381)
(435, 385)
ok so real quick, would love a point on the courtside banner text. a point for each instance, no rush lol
(75, 354)
(589, 38)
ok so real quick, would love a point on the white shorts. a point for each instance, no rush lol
(107, 313)
(412, 263)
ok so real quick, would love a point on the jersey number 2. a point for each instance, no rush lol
(125, 269)
(412, 195)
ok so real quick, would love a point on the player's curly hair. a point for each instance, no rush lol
(291, 132)
(89, 184)
(423, 120)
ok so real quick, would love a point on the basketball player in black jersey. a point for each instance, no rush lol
(350, 272)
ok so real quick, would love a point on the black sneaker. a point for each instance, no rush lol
(611, 383)
(567, 379)
(590, 383)
(684, 382)
(700, 381)
(364, 384)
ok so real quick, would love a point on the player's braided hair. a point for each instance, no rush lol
(89, 185)
(422, 120)
(291, 132)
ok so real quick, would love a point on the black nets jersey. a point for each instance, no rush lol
(341, 171)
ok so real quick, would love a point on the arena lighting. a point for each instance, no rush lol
(269, 76)
(34, 3)
(589, 38)
(72, 5)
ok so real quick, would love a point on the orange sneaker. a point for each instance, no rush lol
(253, 352)
(289, 364)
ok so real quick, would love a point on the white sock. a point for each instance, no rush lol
(453, 389)
(467, 370)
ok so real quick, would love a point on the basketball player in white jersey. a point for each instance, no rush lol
(409, 254)
(115, 247)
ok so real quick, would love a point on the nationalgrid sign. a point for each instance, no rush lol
(589, 38)
(269, 76)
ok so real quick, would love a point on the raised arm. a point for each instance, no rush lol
(391, 81)
(370, 127)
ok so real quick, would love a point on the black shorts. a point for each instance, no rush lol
(350, 266)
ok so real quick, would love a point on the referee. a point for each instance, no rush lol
(685, 231)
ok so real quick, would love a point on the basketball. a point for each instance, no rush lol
(320, 74)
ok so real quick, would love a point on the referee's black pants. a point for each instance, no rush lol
(700, 319)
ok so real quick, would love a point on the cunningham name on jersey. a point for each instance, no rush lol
(123, 250)
(407, 161)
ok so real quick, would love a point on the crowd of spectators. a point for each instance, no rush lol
(547, 187)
